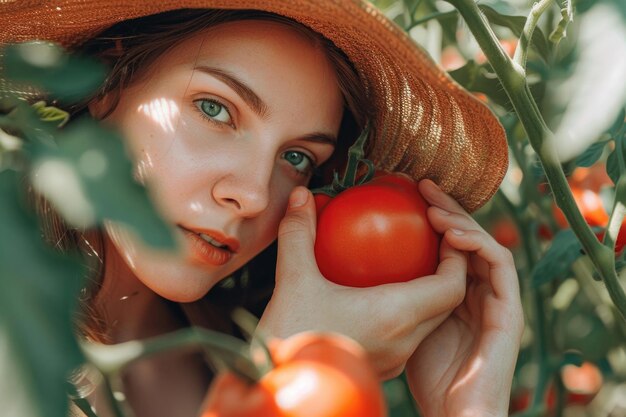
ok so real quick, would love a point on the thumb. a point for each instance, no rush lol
(296, 236)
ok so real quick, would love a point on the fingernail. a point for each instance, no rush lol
(457, 231)
(442, 211)
(298, 197)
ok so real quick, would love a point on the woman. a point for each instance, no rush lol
(228, 115)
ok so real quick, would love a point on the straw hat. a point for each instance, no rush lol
(426, 125)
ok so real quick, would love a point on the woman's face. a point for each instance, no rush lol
(222, 128)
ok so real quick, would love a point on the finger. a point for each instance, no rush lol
(502, 274)
(439, 293)
(436, 197)
(296, 236)
(442, 220)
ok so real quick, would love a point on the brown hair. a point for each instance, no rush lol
(129, 47)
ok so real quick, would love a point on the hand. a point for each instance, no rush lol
(465, 367)
(389, 321)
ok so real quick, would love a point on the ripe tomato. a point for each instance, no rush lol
(581, 384)
(505, 233)
(376, 233)
(590, 205)
(314, 375)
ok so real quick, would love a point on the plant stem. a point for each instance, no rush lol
(541, 347)
(116, 407)
(110, 359)
(521, 52)
(513, 80)
(84, 406)
(617, 213)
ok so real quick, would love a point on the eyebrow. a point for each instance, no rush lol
(320, 137)
(240, 87)
(255, 102)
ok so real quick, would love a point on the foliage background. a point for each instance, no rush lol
(574, 72)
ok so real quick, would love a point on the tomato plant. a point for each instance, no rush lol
(375, 233)
(314, 375)
(590, 205)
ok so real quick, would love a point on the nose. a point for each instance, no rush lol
(247, 190)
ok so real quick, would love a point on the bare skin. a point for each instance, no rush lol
(465, 367)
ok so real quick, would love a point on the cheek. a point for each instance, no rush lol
(279, 198)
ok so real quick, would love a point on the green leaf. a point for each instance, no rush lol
(97, 176)
(479, 78)
(38, 297)
(612, 166)
(46, 66)
(591, 155)
(558, 259)
(516, 24)
(572, 357)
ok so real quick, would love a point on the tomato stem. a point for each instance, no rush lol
(226, 349)
(248, 323)
(356, 157)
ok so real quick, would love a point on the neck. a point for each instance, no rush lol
(130, 309)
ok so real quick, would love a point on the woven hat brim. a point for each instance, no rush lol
(426, 125)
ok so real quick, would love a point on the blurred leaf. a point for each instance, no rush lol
(580, 329)
(572, 357)
(89, 176)
(38, 296)
(399, 400)
(516, 24)
(595, 93)
(612, 164)
(557, 261)
(45, 65)
(591, 155)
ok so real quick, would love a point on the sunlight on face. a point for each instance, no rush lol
(227, 123)
(163, 111)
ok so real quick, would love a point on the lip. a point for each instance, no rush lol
(203, 252)
(231, 243)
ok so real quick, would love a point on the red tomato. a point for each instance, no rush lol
(376, 233)
(315, 375)
(593, 178)
(590, 205)
(505, 233)
(582, 384)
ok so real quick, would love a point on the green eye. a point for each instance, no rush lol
(214, 111)
(299, 160)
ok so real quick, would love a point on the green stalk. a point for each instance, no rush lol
(356, 156)
(512, 77)
(119, 408)
(111, 359)
(521, 52)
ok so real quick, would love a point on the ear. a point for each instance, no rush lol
(102, 107)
